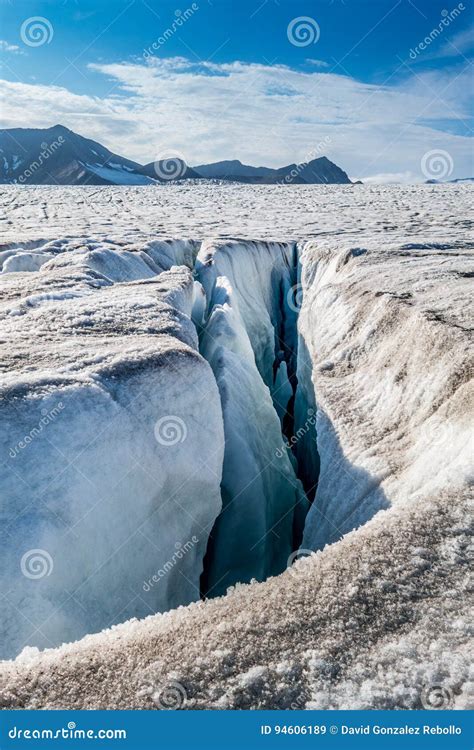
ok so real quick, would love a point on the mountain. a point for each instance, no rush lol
(445, 182)
(317, 171)
(232, 169)
(165, 170)
(58, 156)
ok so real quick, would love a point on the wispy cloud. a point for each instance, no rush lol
(317, 63)
(14, 49)
(461, 43)
(391, 177)
(258, 113)
(83, 15)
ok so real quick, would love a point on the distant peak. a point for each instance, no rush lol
(60, 127)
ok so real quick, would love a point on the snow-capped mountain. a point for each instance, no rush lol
(58, 156)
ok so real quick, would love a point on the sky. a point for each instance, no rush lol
(381, 87)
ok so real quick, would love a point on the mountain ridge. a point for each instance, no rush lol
(59, 156)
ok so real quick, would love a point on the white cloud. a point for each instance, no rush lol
(460, 43)
(261, 114)
(7, 47)
(392, 177)
(317, 63)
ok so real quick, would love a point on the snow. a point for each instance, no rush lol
(388, 646)
(376, 617)
(25, 262)
(113, 172)
(94, 478)
(391, 380)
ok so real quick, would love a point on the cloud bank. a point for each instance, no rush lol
(260, 114)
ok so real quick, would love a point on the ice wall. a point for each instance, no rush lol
(375, 621)
(243, 339)
(158, 422)
(390, 379)
(112, 444)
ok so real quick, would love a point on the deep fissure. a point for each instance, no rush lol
(296, 418)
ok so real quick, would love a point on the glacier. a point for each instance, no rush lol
(320, 377)
(102, 475)
(264, 505)
(244, 489)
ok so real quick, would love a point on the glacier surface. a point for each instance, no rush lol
(102, 410)
(332, 355)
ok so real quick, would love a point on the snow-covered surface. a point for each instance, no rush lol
(115, 173)
(112, 442)
(390, 338)
(384, 354)
(194, 209)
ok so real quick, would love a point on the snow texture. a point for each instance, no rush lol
(377, 616)
(102, 411)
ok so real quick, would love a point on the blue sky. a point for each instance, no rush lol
(266, 81)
